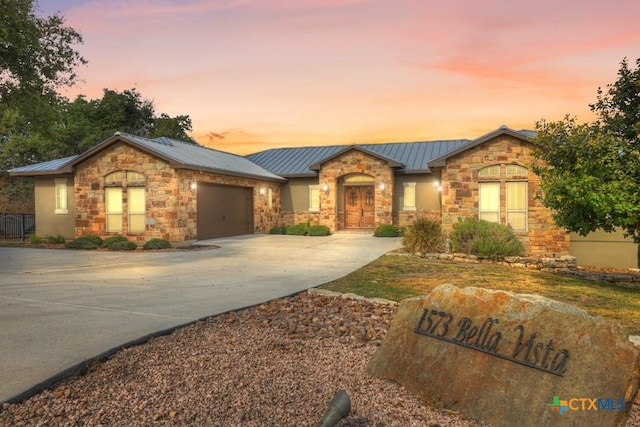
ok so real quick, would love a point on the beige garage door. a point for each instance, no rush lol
(224, 210)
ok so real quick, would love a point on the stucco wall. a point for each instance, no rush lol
(604, 249)
(48, 223)
(295, 194)
(460, 192)
(427, 197)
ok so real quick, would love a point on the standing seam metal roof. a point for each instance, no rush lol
(292, 162)
(194, 156)
(182, 154)
(51, 165)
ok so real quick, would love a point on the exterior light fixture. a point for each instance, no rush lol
(325, 188)
(382, 187)
(262, 191)
(193, 185)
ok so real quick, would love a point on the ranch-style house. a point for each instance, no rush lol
(145, 188)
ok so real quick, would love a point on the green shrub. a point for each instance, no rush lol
(81, 243)
(118, 243)
(97, 240)
(423, 235)
(386, 230)
(156, 244)
(319, 230)
(34, 239)
(298, 229)
(278, 230)
(485, 239)
(121, 246)
(57, 240)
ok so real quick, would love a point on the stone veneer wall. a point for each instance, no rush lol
(460, 192)
(171, 204)
(355, 161)
(291, 218)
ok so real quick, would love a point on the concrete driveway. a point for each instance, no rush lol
(59, 308)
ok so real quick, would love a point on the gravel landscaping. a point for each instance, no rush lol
(277, 364)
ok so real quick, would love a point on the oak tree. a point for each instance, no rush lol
(590, 173)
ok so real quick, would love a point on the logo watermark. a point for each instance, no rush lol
(586, 404)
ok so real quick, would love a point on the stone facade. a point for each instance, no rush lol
(171, 205)
(355, 161)
(460, 192)
(292, 218)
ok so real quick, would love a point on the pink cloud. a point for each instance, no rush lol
(296, 72)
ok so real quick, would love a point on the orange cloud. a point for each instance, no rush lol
(297, 72)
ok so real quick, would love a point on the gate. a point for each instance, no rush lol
(16, 226)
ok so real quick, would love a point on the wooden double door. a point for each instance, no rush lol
(360, 206)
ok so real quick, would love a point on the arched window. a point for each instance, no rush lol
(510, 181)
(489, 171)
(116, 185)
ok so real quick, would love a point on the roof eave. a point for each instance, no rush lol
(227, 173)
(40, 173)
(300, 175)
(412, 171)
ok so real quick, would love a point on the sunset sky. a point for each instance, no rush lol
(259, 74)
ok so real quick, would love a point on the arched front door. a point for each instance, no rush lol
(360, 206)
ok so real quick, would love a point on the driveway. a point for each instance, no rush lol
(60, 308)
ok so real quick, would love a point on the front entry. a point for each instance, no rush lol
(360, 206)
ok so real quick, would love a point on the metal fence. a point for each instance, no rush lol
(16, 226)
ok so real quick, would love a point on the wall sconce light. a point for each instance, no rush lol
(436, 184)
(325, 188)
(193, 185)
(262, 191)
(382, 187)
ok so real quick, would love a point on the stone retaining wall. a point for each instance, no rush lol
(565, 264)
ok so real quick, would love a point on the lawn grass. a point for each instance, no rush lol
(397, 277)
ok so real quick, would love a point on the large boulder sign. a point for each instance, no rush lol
(510, 359)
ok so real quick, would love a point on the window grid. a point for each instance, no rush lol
(514, 205)
(489, 203)
(137, 209)
(115, 185)
(113, 209)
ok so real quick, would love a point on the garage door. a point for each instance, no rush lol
(224, 210)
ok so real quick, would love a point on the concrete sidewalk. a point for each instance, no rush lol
(60, 308)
